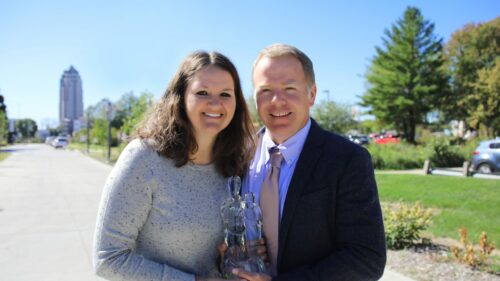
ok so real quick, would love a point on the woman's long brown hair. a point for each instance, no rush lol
(170, 132)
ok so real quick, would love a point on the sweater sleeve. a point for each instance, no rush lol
(125, 205)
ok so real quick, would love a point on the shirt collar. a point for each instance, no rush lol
(291, 148)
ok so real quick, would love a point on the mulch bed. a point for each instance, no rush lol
(433, 262)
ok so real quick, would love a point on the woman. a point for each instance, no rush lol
(159, 216)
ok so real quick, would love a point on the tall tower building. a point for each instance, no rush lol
(70, 99)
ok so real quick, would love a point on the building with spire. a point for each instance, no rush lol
(70, 100)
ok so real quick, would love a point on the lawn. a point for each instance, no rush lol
(98, 152)
(469, 202)
(3, 155)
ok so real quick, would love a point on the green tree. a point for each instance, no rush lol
(4, 127)
(99, 131)
(137, 110)
(487, 98)
(98, 122)
(370, 126)
(26, 127)
(123, 108)
(406, 76)
(252, 109)
(4, 121)
(333, 117)
(473, 56)
(3, 107)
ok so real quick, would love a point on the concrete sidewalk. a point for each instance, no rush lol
(48, 206)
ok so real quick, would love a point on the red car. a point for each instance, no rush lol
(386, 138)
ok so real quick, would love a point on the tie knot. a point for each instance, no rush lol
(276, 157)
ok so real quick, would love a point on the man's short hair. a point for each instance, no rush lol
(279, 50)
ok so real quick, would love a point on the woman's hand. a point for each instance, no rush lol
(260, 248)
(199, 278)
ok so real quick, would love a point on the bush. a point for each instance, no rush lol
(397, 156)
(441, 151)
(443, 154)
(404, 224)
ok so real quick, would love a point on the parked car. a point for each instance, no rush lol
(49, 140)
(386, 138)
(486, 157)
(359, 139)
(60, 142)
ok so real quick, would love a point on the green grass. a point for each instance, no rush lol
(469, 202)
(3, 155)
(98, 152)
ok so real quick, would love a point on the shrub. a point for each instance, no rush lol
(442, 154)
(404, 224)
(470, 255)
(440, 150)
(397, 156)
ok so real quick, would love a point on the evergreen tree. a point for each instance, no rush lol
(406, 77)
(3, 107)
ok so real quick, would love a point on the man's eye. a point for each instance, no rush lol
(201, 93)
(264, 92)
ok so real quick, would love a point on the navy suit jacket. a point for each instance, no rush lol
(331, 226)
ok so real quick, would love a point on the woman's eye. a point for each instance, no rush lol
(226, 95)
(201, 93)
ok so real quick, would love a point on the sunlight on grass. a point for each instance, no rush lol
(98, 152)
(3, 155)
(473, 203)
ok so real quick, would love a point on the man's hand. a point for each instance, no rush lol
(250, 276)
(260, 248)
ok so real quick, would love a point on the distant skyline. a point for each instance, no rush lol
(122, 46)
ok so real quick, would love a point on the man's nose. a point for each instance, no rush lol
(278, 96)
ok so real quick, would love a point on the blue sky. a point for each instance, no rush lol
(122, 46)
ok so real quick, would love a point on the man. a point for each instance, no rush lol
(328, 222)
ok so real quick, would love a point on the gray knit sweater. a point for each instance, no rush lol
(157, 221)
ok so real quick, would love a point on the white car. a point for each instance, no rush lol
(49, 140)
(60, 142)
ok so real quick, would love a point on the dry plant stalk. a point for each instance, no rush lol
(467, 254)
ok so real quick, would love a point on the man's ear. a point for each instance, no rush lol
(312, 95)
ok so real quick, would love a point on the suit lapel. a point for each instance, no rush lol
(310, 154)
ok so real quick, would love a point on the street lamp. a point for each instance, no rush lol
(327, 92)
(109, 113)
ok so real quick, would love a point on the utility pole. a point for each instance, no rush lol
(109, 113)
(88, 130)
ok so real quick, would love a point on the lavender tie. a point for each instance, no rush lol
(269, 203)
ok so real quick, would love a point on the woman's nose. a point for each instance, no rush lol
(215, 101)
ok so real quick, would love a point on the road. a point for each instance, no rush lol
(48, 206)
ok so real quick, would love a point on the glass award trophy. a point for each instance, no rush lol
(242, 220)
